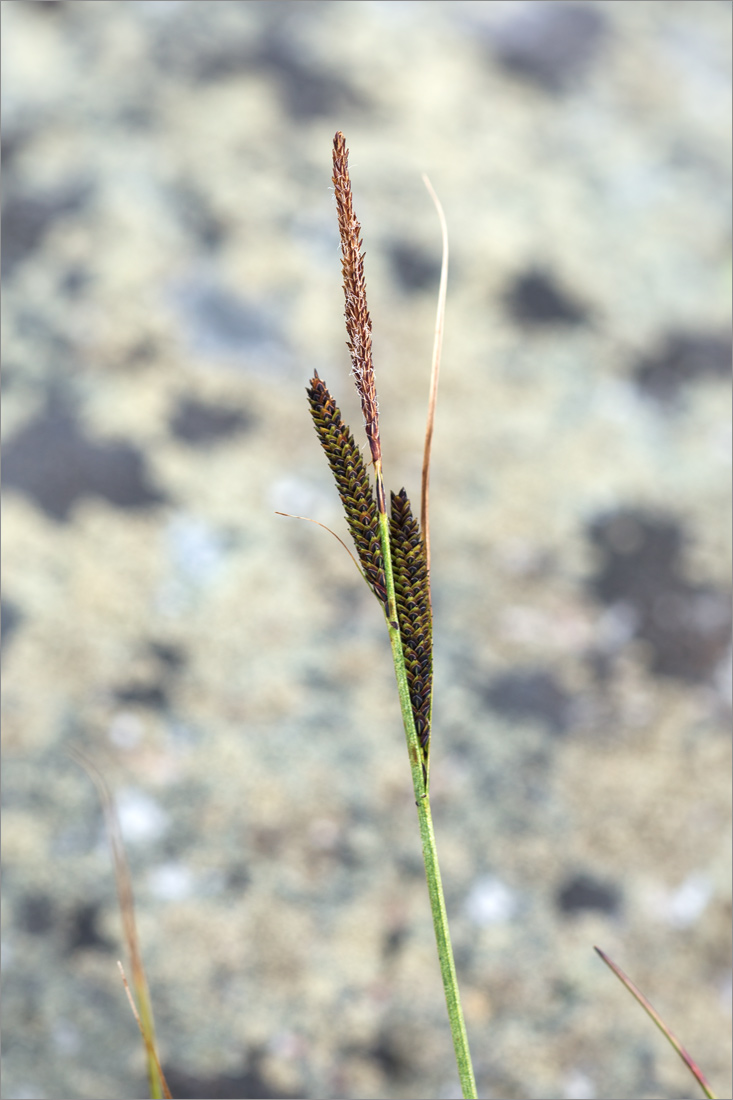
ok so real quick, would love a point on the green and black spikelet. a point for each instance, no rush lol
(412, 591)
(352, 482)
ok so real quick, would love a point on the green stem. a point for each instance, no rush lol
(427, 836)
(445, 949)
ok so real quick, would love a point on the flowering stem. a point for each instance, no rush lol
(367, 516)
(425, 821)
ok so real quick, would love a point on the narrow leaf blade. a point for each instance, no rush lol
(654, 1015)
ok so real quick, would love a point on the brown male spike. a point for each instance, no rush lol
(358, 321)
(352, 482)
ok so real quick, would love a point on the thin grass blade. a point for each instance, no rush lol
(654, 1015)
(159, 1087)
(144, 1014)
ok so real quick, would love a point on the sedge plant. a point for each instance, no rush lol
(393, 551)
(394, 558)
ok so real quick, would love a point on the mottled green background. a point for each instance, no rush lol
(171, 280)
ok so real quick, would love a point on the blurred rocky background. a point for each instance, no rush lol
(171, 281)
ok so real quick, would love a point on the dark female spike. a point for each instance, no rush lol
(352, 482)
(413, 607)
